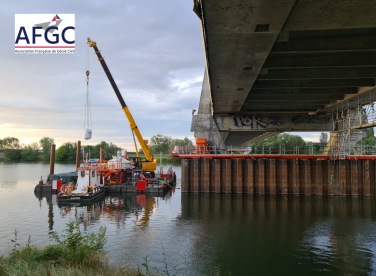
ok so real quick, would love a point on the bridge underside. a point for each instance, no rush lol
(296, 58)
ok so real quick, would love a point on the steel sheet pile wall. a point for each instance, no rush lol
(279, 176)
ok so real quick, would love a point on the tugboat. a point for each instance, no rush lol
(89, 186)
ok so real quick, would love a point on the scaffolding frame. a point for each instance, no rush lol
(347, 124)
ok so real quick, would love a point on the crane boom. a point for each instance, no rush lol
(143, 143)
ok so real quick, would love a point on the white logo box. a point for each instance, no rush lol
(44, 34)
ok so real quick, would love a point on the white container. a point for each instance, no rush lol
(119, 163)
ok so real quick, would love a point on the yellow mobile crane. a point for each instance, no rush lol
(148, 164)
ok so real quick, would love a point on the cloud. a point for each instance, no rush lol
(153, 49)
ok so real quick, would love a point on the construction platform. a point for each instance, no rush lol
(278, 176)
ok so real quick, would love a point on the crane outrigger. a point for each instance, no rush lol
(149, 163)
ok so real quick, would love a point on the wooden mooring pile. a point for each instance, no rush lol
(279, 176)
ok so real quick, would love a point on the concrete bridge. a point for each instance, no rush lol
(275, 66)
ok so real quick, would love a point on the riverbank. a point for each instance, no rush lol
(24, 264)
(73, 253)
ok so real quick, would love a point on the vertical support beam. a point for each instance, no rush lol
(226, 175)
(333, 173)
(191, 175)
(260, 180)
(272, 177)
(267, 176)
(372, 177)
(185, 175)
(257, 176)
(354, 178)
(282, 176)
(290, 175)
(326, 176)
(196, 175)
(313, 176)
(215, 178)
(78, 155)
(52, 159)
(248, 176)
(205, 175)
(342, 176)
(304, 177)
(360, 179)
(100, 156)
(367, 182)
(348, 177)
(307, 176)
(319, 177)
(295, 177)
(237, 176)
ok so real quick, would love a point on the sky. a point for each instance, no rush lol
(153, 49)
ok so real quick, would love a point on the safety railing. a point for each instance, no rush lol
(265, 150)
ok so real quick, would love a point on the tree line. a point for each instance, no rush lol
(289, 141)
(13, 150)
(161, 143)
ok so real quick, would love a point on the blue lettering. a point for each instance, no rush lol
(36, 35)
(22, 29)
(63, 35)
(55, 35)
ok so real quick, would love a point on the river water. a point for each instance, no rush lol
(201, 234)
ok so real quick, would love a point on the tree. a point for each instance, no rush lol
(160, 143)
(285, 140)
(323, 138)
(66, 152)
(108, 150)
(30, 152)
(370, 140)
(45, 143)
(181, 142)
(10, 143)
(12, 148)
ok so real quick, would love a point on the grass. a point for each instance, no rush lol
(72, 254)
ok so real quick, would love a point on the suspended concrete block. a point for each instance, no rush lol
(88, 134)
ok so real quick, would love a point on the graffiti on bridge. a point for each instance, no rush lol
(310, 119)
(257, 122)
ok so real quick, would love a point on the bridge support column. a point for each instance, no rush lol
(205, 175)
(282, 176)
(185, 175)
(226, 176)
(249, 176)
(237, 176)
(203, 124)
(215, 177)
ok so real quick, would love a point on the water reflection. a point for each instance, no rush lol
(264, 234)
(203, 234)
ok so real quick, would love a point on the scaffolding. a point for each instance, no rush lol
(349, 125)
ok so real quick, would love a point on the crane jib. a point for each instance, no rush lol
(110, 78)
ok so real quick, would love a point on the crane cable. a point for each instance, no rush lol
(87, 119)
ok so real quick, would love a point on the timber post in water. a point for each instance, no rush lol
(279, 176)
(78, 155)
(52, 159)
